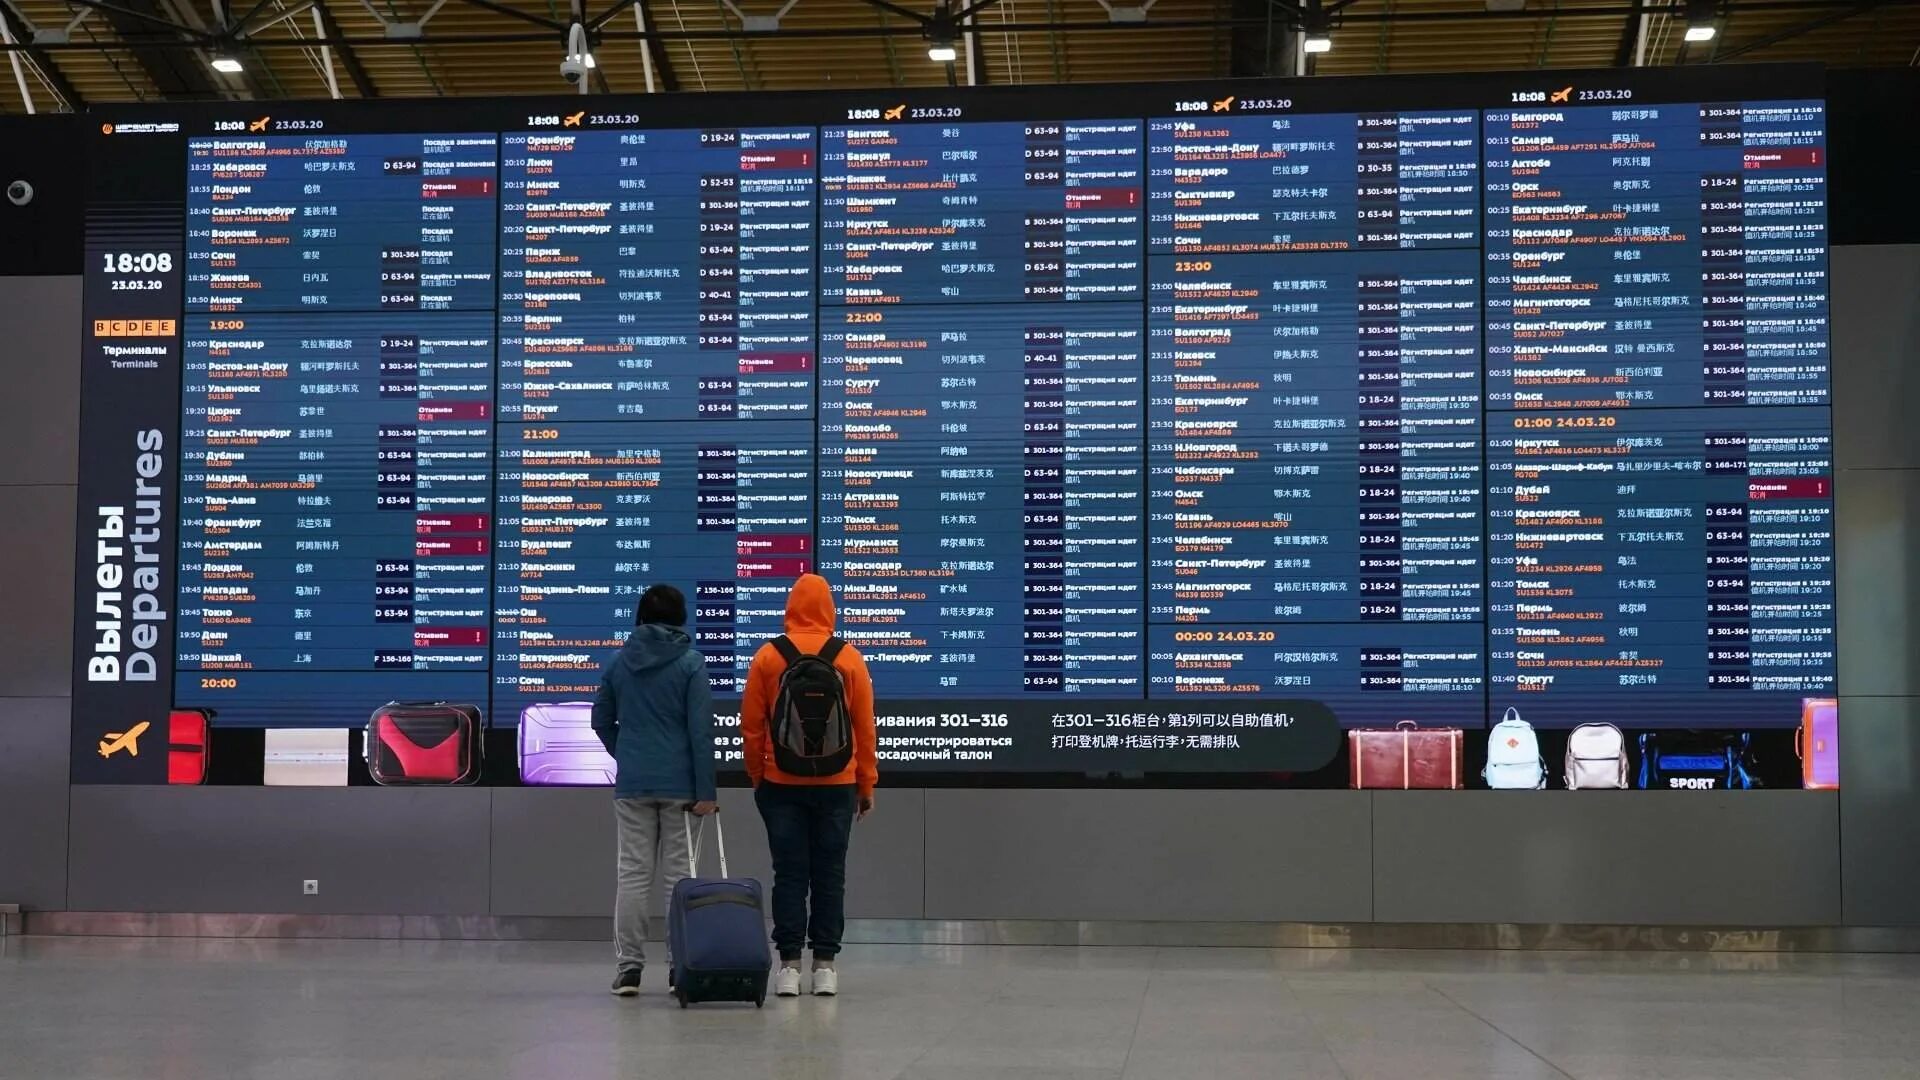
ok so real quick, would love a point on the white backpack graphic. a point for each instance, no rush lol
(1596, 757)
(1513, 756)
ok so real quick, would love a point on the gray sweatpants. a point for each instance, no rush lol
(648, 829)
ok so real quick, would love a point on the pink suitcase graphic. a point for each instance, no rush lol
(1818, 743)
(559, 749)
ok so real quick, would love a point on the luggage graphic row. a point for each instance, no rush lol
(433, 743)
(441, 744)
(1410, 757)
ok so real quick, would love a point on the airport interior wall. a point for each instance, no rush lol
(1761, 858)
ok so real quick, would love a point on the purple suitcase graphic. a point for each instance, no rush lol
(559, 749)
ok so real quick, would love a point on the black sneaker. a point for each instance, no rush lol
(627, 983)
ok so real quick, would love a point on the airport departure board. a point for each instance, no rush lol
(1144, 428)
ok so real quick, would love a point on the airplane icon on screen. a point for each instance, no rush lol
(258, 125)
(129, 741)
(896, 112)
(1224, 104)
(1560, 96)
(574, 120)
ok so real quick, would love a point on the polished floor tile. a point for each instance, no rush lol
(120, 1009)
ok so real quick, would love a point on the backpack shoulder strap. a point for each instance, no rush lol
(831, 650)
(786, 648)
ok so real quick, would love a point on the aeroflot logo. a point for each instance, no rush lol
(127, 615)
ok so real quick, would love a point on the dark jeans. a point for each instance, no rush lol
(808, 829)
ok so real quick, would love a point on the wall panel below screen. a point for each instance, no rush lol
(1709, 858)
(400, 851)
(553, 852)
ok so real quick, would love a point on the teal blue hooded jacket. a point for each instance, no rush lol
(654, 712)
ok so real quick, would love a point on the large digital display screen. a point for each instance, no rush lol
(1144, 428)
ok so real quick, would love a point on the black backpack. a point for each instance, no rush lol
(812, 734)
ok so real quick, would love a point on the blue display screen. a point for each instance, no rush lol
(1097, 423)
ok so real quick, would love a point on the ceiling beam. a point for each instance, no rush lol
(662, 65)
(515, 13)
(897, 29)
(157, 43)
(1629, 34)
(17, 26)
(356, 71)
(1262, 42)
(1796, 30)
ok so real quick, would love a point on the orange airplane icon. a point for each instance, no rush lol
(574, 120)
(259, 125)
(1560, 96)
(1223, 104)
(896, 112)
(128, 741)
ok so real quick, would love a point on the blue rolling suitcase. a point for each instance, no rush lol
(717, 929)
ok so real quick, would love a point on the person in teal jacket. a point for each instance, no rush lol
(654, 712)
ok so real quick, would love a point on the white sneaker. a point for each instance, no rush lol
(787, 982)
(826, 982)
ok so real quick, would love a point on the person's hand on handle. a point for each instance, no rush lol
(702, 809)
(866, 807)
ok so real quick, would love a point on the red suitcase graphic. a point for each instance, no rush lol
(1405, 756)
(187, 745)
(424, 743)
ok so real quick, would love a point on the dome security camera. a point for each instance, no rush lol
(19, 193)
(579, 57)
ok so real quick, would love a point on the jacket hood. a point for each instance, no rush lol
(654, 645)
(810, 606)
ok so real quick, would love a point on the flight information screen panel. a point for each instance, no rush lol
(1145, 428)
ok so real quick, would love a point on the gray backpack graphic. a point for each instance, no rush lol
(812, 733)
(1596, 758)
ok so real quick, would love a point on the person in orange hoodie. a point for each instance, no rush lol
(806, 720)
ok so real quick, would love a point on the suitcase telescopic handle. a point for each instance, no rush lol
(697, 840)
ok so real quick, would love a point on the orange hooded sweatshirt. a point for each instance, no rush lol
(809, 625)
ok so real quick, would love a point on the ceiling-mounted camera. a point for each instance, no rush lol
(578, 61)
(19, 193)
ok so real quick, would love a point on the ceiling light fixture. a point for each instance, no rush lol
(1700, 21)
(1317, 30)
(228, 65)
(942, 32)
(943, 37)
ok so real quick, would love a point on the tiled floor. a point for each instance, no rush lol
(79, 1009)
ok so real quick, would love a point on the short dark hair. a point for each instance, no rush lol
(661, 604)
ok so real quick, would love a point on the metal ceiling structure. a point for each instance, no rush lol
(65, 54)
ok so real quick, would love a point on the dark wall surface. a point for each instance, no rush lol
(1875, 168)
(1772, 858)
(39, 409)
(42, 237)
